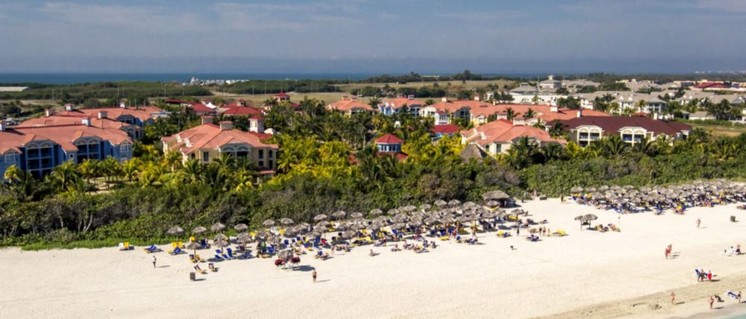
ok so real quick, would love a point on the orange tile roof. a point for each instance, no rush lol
(14, 138)
(141, 112)
(347, 105)
(210, 136)
(504, 132)
(58, 119)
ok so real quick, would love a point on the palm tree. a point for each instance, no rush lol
(557, 129)
(173, 160)
(510, 113)
(13, 174)
(553, 151)
(192, 170)
(64, 176)
(645, 147)
(522, 153)
(530, 114)
(612, 146)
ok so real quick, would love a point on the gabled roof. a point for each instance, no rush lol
(485, 109)
(201, 108)
(347, 105)
(244, 111)
(615, 123)
(141, 112)
(446, 129)
(401, 101)
(64, 135)
(504, 132)
(210, 136)
(60, 119)
(389, 139)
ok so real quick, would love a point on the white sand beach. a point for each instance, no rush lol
(586, 274)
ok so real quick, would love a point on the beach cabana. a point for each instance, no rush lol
(498, 196)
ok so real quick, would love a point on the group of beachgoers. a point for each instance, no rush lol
(677, 198)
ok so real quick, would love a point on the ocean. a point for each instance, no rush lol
(73, 78)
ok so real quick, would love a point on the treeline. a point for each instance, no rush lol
(80, 93)
(277, 86)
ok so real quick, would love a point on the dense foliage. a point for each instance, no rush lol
(327, 162)
(79, 93)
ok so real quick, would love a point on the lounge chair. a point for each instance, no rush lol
(212, 267)
(230, 252)
(245, 255)
(218, 258)
(176, 251)
(200, 270)
(152, 249)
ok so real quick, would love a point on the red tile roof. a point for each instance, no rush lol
(282, 95)
(210, 136)
(401, 101)
(389, 139)
(200, 108)
(504, 132)
(446, 129)
(64, 135)
(485, 109)
(244, 111)
(143, 113)
(615, 123)
(347, 105)
(58, 119)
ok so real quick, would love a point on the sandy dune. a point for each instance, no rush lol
(585, 274)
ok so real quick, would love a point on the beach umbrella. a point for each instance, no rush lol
(261, 235)
(199, 230)
(425, 206)
(375, 212)
(576, 189)
(219, 237)
(217, 227)
(286, 254)
(268, 223)
(441, 203)
(392, 211)
(193, 246)
(398, 226)
(241, 227)
(320, 217)
(286, 221)
(492, 203)
(349, 234)
(339, 214)
(356, 215)
(243, 238)
(603, 188)
(176, 230)
(454, 203)
(590, 189)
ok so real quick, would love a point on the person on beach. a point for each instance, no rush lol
(154, 261)
(673, 298)
(698, 222)
(668, 250)
(313, 274)
(711, 301)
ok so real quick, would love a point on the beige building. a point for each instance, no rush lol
(209, 141)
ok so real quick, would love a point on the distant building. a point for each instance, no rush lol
(349, 106)
(585, 130)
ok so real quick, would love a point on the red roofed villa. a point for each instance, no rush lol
(498, 136)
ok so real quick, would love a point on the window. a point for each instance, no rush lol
(39, 160)
(271, 164)
(10, 158)
(205, 156)
(261, 154)
(271, 154)
(261, 163)
(88, 149)
(583, 135)
(125, 148)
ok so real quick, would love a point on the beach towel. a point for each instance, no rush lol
(731, 294)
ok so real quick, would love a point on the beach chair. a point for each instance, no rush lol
(230, 252)
(176, 251)
(218, 258)
(244, 256)
(200, 270)
(152, 249)
(212, 267)
(121, 246)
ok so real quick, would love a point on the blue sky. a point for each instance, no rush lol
(373, 36)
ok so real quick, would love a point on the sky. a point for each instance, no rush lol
(373, 36)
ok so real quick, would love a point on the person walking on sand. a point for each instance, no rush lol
(313, 274)
(154, 261)
(673, 298)
(711, 301)
(698, 222)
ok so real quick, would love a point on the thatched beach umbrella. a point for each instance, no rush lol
(216, 227)
(339, 214)
(199, 230)
(287, 221)
(349, 234)
(268, 223)
(492, 204)
(392, 211)
(441, 203)
(576, 189)
(375, 212)
(356, 215)
(193, 246)
(454, 202)
(320, 217)
(241, 227)
(425, 207)
(176, 230)
(220, 237)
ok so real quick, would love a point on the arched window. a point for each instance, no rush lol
(88, 148)
(40, 158)
(237, 151)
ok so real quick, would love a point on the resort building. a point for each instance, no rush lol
(209, 141)
(101, 120)
(396, 105)
(350, 106)
(498, 136)
(439, 131)
(389, 144)
(139, 116)
(585, 130)
(39, 149)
